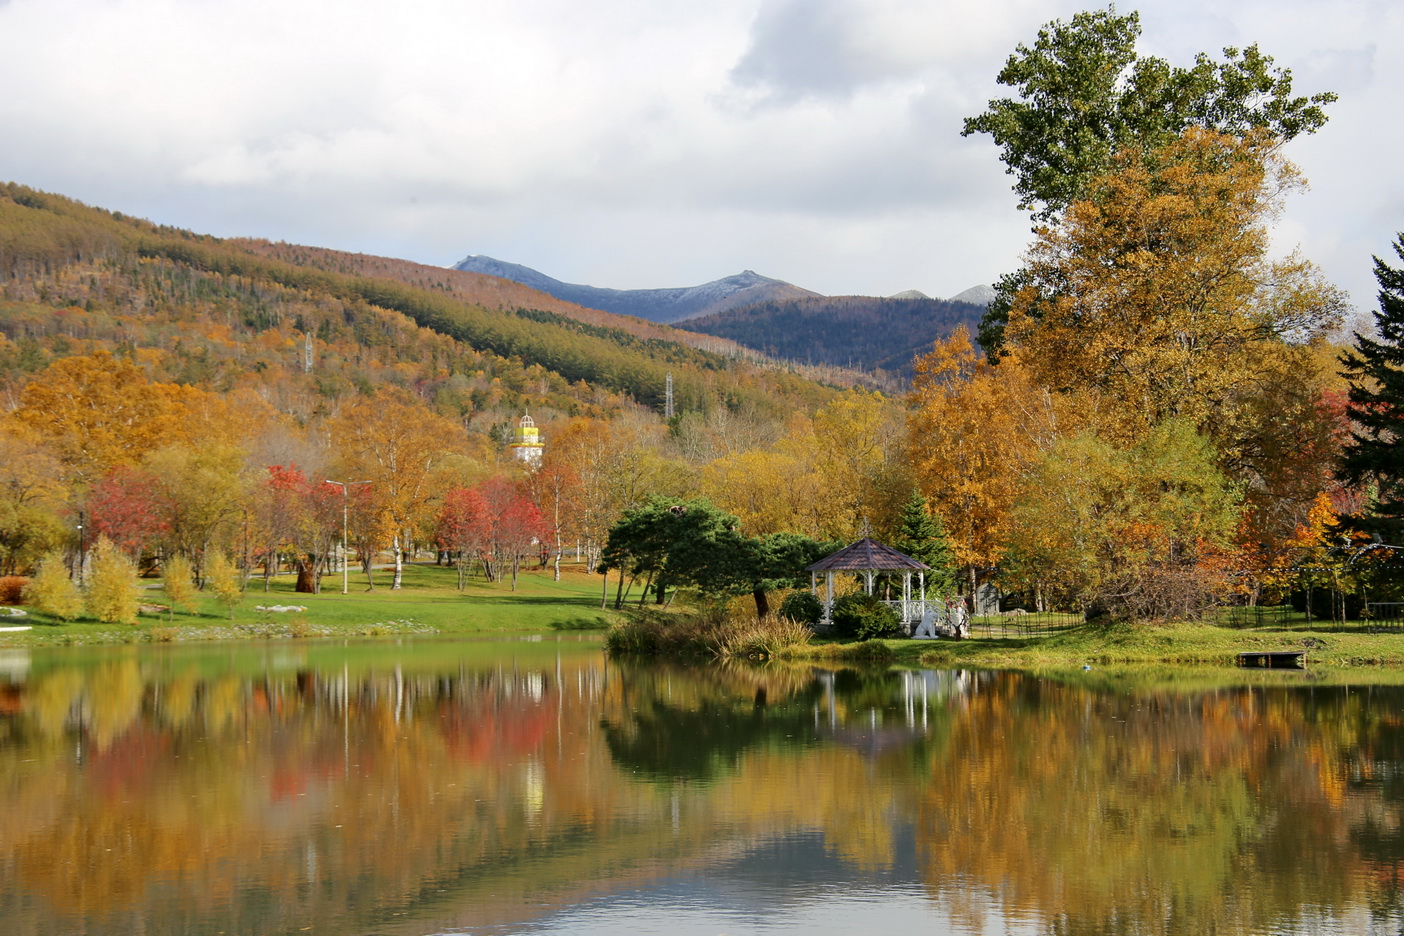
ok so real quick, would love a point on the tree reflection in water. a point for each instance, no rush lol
(453, 786)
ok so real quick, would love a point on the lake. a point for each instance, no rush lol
(532, 786)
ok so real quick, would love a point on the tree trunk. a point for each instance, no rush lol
(399, 578)
(306, 578)
(762, 603)
(604, 594)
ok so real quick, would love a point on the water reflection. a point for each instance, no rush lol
(506, 788)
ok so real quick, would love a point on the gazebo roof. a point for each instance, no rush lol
(868, 555)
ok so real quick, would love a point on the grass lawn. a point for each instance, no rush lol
(429, 602)
(1137, 646)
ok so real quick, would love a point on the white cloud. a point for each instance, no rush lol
(625, 142)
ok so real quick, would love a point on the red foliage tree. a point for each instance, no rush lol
(126, 506)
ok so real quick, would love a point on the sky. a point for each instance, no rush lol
(637, 143)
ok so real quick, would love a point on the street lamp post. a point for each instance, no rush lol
(345, 497)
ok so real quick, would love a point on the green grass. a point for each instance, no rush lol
(1136, 646)
(428, 603)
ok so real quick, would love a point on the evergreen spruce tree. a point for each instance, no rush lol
(1375, 372)
(921, 535)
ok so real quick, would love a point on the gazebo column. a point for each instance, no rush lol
(868, 577)
(829, 598)
(907, 597)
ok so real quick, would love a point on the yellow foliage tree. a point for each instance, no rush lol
(394, 442)
(113, 593)
(178, 580)
(1155, 298)
(98, 411)
(972, 433)
(53, 591)
(222, 578)
(826, 477)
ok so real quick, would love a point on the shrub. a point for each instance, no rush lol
(12, 589)
(178, 579)
(802, 606)
(223, 579)
(862, 617)
(52, 591)
(113, 593)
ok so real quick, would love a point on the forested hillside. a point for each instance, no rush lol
(218, 313)
(181, 396)
(871, 334)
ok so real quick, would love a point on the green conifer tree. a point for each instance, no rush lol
(53, 591)
(921, 535)
(1374, 453)
(113, 593)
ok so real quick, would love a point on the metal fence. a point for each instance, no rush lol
(1375, 617)
(1015, 625)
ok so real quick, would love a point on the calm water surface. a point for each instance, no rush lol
(504, 787)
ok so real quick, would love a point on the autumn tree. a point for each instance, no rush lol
(460, 529)
(222, 579)
(396, 444)
(1127, 532)
(1084, 96)
(617, 465)
(52, 590)
(556, 490)
(1375, 370)
(1156, 295)
(178, 581)
(127, 505)
(113, 592)
(33, 499)
(306, 517)
(206, 492)
(973, 431)
(100, 411)
(827, 476)
(1084, 99)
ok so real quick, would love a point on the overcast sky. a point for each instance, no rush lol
(635, 143)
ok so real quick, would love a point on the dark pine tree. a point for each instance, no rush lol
(921, 535)
(1375, 372)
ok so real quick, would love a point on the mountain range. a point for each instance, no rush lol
(873, 334)
(676, 304)
(655, 305)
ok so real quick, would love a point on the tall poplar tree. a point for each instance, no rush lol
(1375, 371)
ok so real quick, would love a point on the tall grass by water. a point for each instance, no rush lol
(709, 633)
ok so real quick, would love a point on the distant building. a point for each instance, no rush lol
(526, 442)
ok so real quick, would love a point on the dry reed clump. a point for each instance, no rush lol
(708, 633)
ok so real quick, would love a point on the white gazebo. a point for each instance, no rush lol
(868, 557)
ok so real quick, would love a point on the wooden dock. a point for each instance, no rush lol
(1273, 659)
